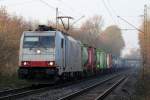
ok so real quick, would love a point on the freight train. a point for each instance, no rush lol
(48, 53)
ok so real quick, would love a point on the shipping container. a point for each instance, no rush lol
(109, 60)
(98, 58)
(84, 55)
(103, 60)
(91, 59)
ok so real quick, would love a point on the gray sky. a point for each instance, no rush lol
(108, 9)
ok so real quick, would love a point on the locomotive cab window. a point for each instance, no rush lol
(39, 41)
(62, 43)
(31, 39)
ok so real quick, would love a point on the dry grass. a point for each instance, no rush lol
(12, 81)
(143, 85)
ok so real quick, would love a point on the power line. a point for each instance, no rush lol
(112, 8)
(130, 24)
(47, 4)
(20, 4)
(50, 6)
(70, 8)
(113, 11)
(66, 4)
(77, 20)
(109, 12)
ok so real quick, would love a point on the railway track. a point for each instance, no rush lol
(97, 91)
(12, 94)
(20, 92)
(26, 91)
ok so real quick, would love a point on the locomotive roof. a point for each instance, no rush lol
(42, 33)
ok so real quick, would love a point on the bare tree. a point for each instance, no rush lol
(111, 40)
(11, 28)
(91, 28)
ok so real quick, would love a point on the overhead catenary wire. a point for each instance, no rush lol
(113, 10)
(72, 11)
(50, 6)
(60, 12)
(70, 8)
(109, 12)
(116, 15)
(28, 2)
(130, 24)
(77, 20)
(60, 8)
(44, 2)
(20, 4)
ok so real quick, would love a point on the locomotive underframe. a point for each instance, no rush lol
(37, 72)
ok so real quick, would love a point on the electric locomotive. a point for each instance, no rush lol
(47, 53)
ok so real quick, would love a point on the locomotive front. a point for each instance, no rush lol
(37, 55)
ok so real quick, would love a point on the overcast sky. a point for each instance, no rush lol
(130, 10)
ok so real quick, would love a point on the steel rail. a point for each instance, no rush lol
(15, 93)
(77, 93)
(109, 90)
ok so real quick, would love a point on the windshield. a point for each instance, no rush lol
(39, 41)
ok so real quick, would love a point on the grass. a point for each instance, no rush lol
(143, 85)
(7, 82)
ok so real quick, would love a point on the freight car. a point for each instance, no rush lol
(49, 54)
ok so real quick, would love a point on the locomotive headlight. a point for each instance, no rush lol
(25, 63)
(51, 63)
(38, 51)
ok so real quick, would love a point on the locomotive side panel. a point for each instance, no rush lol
(73, 55)
(21, 49)
(60, 52)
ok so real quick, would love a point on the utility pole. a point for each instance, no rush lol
(56, 18)
(144, 39)
(145, 54)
